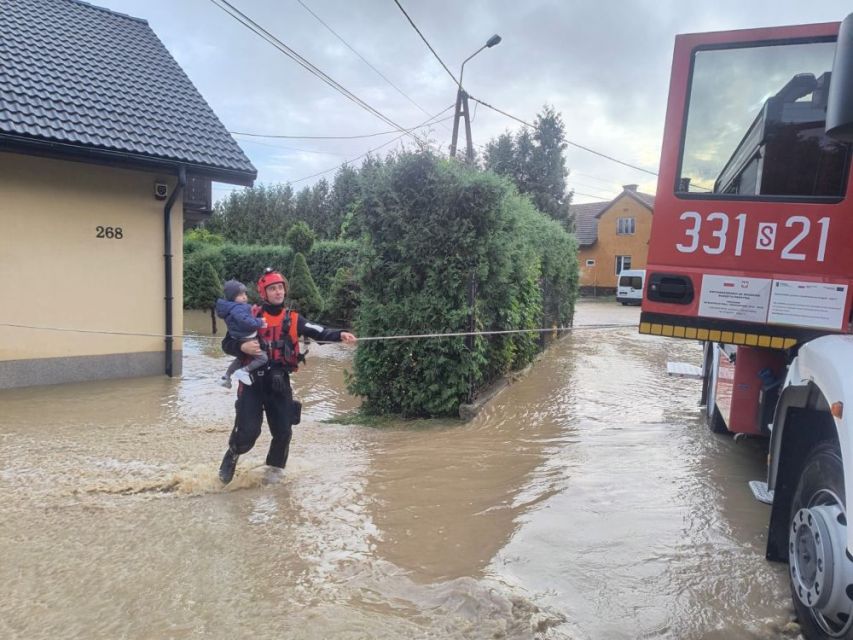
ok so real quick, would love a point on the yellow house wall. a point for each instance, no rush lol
(610, 244)
(57, 273)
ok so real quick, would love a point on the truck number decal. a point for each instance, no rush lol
(788, 251)
(692, 233)
(766, 236)
(720, 233)
(718, 226)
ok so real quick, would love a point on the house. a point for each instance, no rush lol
(612, 236)
(105, 146)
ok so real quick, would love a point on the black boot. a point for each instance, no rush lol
(228, 466)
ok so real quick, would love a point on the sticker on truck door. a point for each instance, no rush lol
(735, 298)
(807, 304)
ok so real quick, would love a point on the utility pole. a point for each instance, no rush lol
(462, 107)
(462, 112)
(456, 114)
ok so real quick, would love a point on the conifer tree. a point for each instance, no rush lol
(535, 161)
(304, 294)
(300, 237)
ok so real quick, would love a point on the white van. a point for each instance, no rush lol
(630, 288)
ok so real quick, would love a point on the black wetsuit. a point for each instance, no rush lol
(261, 397)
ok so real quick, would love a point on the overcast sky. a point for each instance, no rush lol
(603, 64)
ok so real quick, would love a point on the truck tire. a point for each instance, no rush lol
(713, 419)
(820, 568)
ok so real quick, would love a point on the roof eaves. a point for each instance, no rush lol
(81, 153)
(636, 196)
(631, 194)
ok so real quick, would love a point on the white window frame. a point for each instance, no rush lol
(621, 264)
(626, 226)
(590, 263)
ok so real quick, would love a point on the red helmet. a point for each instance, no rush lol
(270, 277)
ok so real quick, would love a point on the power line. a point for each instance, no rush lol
(588, 185)
(587, 175)
(253, 26)
(363, 59)
(426, 42)
(289, 137)
(281, 146)
(411, 336)
(589, 195)
(574, 144)
(369, 151)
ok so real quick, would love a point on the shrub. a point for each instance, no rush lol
(343, 300)
(202, 280)
(450, 249)
(247, 262)
(300, 238)
(303, 292)
(327, 257)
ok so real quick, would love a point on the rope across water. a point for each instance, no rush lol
(411, 336)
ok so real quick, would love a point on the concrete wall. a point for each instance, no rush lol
(56, 272)
(610, 244)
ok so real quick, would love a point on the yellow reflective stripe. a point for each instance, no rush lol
(717, 335)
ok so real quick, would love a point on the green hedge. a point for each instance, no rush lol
(439, 234)
(326, 257)
(247, 262)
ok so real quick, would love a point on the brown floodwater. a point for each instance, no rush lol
(587, 500)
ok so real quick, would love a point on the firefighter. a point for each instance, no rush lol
(270, 390)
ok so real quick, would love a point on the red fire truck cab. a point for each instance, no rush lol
(751, 253)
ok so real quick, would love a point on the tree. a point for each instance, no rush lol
(257, 215)
(346, 190)
(300, 238)
(535, 162)
(549, 173)
(303, 292)
(343, 298)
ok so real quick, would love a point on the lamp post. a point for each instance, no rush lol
(462, 105)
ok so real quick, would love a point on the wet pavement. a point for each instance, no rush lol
(588, 500)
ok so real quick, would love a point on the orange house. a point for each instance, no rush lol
(612, 236)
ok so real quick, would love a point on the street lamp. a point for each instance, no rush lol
(462, 104)
(491, 42)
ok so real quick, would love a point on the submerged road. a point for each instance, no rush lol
(588, 500)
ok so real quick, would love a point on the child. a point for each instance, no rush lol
(242, 326)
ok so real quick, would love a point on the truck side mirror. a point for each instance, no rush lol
(839, 109)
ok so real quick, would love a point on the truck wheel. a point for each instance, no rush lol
(713, 418)
(715, 421)
(820, 569)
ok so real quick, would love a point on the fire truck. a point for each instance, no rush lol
(751, 253)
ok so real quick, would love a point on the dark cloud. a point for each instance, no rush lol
(604, 65)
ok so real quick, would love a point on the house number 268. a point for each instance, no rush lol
(110, 233)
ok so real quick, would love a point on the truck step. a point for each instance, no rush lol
(683, 370)
(760, 491)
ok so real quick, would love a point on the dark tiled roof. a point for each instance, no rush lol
(587, 215)
(646, 198)
(586, 221)
(99, 81)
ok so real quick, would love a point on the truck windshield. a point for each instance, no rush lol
(755, 124)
